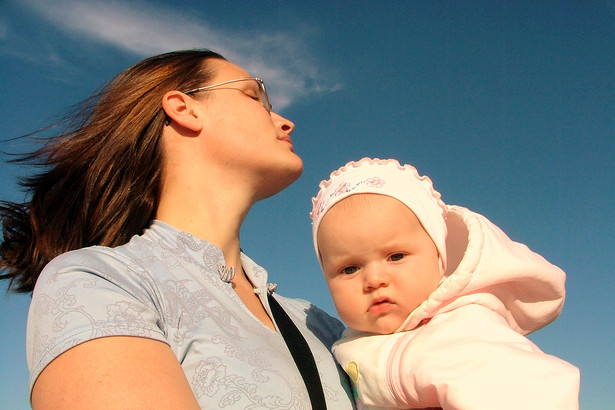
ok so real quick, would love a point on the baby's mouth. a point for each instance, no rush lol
(380, 305)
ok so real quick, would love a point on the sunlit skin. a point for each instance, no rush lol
(239, 137)
(223, 152)
(249, 137)
(379, 262)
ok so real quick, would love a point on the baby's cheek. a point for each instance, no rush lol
(345, 305)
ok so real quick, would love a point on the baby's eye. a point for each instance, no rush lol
(397, 257)
(349, 270)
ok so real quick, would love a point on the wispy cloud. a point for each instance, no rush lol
(142, 29)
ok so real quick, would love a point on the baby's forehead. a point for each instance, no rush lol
(369, 200)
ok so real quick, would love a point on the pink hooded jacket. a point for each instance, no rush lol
(463, 348)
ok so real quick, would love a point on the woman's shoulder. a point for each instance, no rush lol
(123, 266)
(87, 256)
(136, 254)
(90, 259)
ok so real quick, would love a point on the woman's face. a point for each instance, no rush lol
(242, 136)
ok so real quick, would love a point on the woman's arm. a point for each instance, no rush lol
(114, 372)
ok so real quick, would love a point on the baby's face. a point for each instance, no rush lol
(378, 261)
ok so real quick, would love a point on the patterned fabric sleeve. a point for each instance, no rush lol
(84, 295)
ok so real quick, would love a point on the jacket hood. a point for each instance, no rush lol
(486, 267)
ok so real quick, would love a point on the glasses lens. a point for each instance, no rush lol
(265, 96)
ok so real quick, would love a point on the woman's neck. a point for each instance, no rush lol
(210, 213)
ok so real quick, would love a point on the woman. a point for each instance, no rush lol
(173, 154)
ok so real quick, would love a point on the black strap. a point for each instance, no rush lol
(301, 353)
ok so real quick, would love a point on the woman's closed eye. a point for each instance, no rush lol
(248, 92)
(253, 94)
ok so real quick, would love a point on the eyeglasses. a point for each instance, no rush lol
(263, 97)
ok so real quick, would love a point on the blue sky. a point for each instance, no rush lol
(509, 106)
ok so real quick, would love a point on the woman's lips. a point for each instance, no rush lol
(287, 139)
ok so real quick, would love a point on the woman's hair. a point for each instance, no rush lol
(101, 176)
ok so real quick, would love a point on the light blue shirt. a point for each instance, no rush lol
(165, 285)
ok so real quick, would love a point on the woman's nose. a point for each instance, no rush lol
(284, 124)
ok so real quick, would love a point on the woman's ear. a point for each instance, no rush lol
(182, 109)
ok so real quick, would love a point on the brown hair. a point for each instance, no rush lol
(102, 175)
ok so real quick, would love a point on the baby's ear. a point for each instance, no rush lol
(182, 109)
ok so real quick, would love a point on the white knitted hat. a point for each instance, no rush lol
(385, 177)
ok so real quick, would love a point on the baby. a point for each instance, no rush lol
(437, 298)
